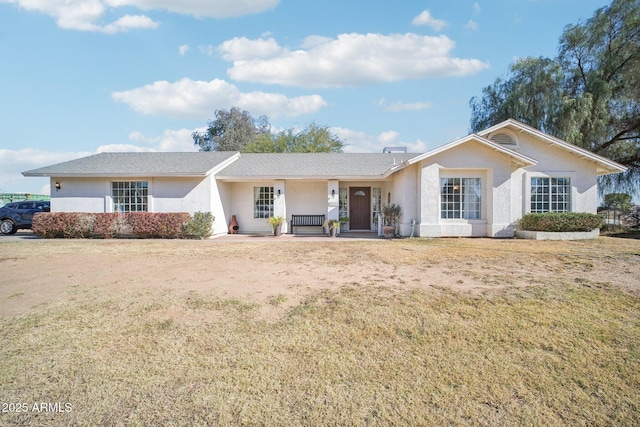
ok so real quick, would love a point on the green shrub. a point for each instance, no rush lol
(561, 221)
(198, 226)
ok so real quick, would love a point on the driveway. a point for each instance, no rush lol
(20, 235)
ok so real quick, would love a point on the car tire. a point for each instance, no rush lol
(8, 227)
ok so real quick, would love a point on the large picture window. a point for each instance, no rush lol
(550, 195)
(130, 196)
(461, 198)
(262, 202)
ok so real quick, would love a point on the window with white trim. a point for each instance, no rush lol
(130, 196)
(376, 204)
(550, 194)
(343, 203)
(262, 202)
(461, 198)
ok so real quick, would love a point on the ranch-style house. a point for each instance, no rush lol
(478, 185)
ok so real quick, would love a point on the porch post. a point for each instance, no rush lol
(333, 200)
(280, 203)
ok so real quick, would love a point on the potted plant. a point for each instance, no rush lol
(333, 225)
(344, 223)
(390, 215)
(276, 224)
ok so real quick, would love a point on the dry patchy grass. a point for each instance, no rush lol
(545, 345)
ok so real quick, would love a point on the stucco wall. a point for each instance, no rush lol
(556, 162)
(79, 194)
(308, 198)
(181, 194)
(165, 194)
(404, 192)
(468, 160)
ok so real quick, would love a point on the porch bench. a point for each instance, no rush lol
(307, 221)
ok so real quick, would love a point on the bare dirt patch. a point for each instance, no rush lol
(39, 273)
(322, 332)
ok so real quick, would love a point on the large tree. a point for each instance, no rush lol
(232, 130)
(589, 95)
(313, 139)
(237, 130)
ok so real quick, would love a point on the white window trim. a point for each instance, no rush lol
(465, 173)
(108, 200)
(527, 187)
(273, 193)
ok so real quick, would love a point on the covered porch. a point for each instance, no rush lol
(355, 204)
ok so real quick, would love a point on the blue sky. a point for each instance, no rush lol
(80, 77)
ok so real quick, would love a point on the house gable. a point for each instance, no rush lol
(527, 137)
(518, 159)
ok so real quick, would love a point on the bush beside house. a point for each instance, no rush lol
(565, 222)
(143, 225)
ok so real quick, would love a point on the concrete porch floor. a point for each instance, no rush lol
(362, 235)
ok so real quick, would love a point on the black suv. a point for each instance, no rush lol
(17, 215)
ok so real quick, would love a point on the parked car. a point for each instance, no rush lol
(18, 215)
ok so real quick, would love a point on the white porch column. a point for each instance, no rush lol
(333, 200)
(280, 203)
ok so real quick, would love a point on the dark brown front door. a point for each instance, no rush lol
(359, 208)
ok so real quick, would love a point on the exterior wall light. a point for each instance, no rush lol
(57, 186)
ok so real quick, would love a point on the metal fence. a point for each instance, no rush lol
(16, 197)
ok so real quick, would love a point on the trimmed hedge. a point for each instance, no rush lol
(561, 221)
(144, 225)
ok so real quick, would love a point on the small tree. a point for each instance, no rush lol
(391, 214)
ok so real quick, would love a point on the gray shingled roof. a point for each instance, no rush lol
(249, 165)
(312, 165)
(137, 164)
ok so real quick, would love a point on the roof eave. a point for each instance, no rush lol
(605, 166)
(300, 177)
(518, 158)
(116, 175)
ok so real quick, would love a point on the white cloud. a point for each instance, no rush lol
(129, 22)
(349, 60)
(476, 7)
(202, 8)
(425, 18)
(208, 50)
(170, 140)
(398, 106)
(242, 49)
(183, 49)
(196, 99)
(14, 162)
(360, 142)
(84, 15)
(471, 25)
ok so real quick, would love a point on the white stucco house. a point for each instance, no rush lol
(479, 185)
